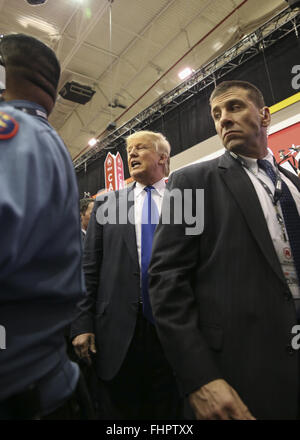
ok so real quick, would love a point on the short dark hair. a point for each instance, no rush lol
(84, 204)
(29, 59)
(253, 92)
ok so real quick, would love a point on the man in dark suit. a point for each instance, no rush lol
(114, 322)
(86, 208)
(224, 300)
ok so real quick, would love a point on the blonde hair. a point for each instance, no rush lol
(159, 141)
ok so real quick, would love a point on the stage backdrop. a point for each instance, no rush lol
(282, 141)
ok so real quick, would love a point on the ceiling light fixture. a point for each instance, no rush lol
(185, 73)
(92, 142)
(37, 23)
(36, 2)
(217, 46)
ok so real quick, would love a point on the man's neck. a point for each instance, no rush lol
(34, 95)
(256, 154)
(149, 182)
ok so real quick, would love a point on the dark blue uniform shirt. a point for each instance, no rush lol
(40, 255)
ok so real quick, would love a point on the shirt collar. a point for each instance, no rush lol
(159, 187)
(25, 104)
(252, 162)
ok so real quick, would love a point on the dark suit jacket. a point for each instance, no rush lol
(82, 237)
(112, 277)
(222, 305)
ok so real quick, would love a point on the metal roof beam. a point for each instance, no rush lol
(278, 27)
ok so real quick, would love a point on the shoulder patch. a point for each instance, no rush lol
(8, 126)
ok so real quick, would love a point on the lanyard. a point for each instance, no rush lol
(274, 198)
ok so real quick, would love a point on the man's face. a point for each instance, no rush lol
(86, 217)
(240, 124)
(144, 162)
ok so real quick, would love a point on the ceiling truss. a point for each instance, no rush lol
(278, 27)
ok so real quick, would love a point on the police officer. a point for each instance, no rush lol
(40, 254)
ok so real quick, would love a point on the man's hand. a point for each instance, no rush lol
(217, 400)
(83, 344)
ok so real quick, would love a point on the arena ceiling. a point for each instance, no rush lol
(129, 52)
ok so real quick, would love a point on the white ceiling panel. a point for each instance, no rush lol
(148, 38)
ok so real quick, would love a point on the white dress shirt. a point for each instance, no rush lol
(282, 247)
(139, 197)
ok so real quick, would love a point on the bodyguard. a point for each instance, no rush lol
(225, 300)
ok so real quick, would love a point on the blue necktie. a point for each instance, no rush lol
(290, 214)
(150, 219)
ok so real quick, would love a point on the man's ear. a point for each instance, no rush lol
(163, 158)
(265, 116)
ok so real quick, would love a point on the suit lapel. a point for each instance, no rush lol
(245, 195)
(292, 177)
(126, 199)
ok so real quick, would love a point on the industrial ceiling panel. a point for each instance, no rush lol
(152, 41)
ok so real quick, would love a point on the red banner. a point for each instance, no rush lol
(109, 170)
(119, 171)
(114, 172)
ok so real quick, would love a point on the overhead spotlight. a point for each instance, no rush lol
(92, 142)
(294, 4)
(185, 73)
(111, 126)
(116, 103)
(36, 2)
